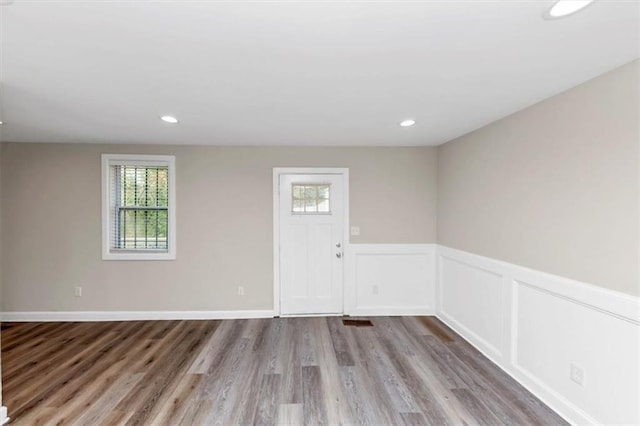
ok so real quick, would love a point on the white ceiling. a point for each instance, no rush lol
(292, 73)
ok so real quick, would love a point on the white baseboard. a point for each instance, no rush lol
(534, 325)
(391, 311)
(3, 415)
(390, 279)
(131, 315)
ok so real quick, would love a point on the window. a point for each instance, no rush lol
(310, 198)
(138, 211)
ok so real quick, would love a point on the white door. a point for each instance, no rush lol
(311, 219)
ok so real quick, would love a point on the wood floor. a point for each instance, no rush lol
(262, 371)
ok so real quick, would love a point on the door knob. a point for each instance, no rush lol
(338, 245)
(338, 255)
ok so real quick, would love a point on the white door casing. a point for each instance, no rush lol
(309, 246)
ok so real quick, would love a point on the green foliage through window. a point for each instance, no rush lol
(141, 207)
(312, 198)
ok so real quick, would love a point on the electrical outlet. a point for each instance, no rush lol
(576, 374)
(355, 231)
(241, 291)
(374, 289)
(77, 291)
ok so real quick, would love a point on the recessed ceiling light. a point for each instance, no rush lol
(407, 123)
(1, 122)
(169, 119)
(562, 8)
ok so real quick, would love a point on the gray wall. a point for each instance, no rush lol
(554, 187)
(52, 223)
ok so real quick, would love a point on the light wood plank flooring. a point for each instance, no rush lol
(399, 371)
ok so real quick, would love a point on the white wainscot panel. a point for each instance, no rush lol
(543, 324)
(391, 279)
(472, 302)
(554, 332)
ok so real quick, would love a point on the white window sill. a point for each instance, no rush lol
(138, 256)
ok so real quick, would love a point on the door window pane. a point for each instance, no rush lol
(323, 206)
(310, 198)
(298, 206)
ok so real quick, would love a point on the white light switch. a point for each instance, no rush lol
(355, 231)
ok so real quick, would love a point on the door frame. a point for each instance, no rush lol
(277, 172)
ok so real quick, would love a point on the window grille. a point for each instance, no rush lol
(310, 198)
(140, 208)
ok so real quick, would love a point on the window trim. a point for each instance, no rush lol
(141, 160)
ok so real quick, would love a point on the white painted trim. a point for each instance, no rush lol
(351, 279)
(277, 171)
(491, 351)
(142, 159)
(391, 311)
(409, 248)
(620, 305)
(611, 302)
(616, 305)
(571, 412)
(131, 315)
(3, 415)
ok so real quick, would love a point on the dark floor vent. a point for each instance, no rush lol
(357, 322)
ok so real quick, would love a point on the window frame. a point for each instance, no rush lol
(168, 161)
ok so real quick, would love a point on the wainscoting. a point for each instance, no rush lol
(390, 279)
(537, 326)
